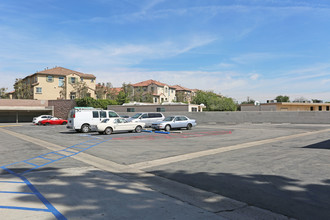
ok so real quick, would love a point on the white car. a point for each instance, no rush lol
(109, 125)
(41, 118)
(174, 122)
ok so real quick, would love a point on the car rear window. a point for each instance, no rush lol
(113, 115)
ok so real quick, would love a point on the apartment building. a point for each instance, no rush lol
(183, 94)
(160, 92)
(59, 83)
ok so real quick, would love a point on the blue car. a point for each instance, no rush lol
(174, 122)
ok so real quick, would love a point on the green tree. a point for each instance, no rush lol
(248, 101)
(3, 93)
(22, 90)
(81, 89)
(96, 103)
(282, 98)
(100, 90)
(122, 98)
(317, 101)
(129, 91)
(214, 102)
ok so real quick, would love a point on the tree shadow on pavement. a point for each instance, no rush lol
(89, 193)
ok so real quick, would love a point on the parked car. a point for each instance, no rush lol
(147, 117)
(53, 121)
(85, 119)
(124, 116)
(109, 125)
(174, 122)
(40, 118)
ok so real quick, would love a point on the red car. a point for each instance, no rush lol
(53, 121)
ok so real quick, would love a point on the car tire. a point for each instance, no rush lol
(64, 123)
(189, 126)
(138, 129)
(167, 127)
(85, 128)
(47, 123)
(108, 131)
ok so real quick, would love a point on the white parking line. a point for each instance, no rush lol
(206, 200)
(168, 160)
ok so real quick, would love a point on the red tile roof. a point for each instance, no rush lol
(150, 82)
(181, 88)
(60, 71)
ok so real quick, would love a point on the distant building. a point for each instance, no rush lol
(104, 92)
(286, 106)
(150, 107)
(183, 94)
(57, 83)
(159, 92)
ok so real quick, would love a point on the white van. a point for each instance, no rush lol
(85, 119)
(147, 117)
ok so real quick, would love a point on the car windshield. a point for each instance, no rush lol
(137, 115)
(105, 120)
(169, 118)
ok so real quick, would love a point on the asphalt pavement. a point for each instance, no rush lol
(244, 171)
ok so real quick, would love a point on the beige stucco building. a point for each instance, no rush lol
(58, 83)
(183, 94)
(160, 92)
(287, 106)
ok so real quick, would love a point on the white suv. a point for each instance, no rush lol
(40, 118)
(147, 117)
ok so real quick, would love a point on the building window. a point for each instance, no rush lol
(312, 108)
(156, 100)
(193, 109)
(92, 80)
(320, 108)
(38, 90)
(72, 95)
(160, 109)
(35, 79)
(73, 80)
(50, 78)
(130, 109)
(328, 108)
(60, 81)
(81, 79)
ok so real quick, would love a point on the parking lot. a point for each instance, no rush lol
(243, 171)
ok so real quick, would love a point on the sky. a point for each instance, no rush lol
(256, 49)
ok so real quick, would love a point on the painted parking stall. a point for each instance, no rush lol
(18, 170)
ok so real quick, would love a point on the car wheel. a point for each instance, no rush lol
(108, 131)
(189, 126)
(167, 127)
(85, 128)
(64, 123)
(138, 129)
(47, 123)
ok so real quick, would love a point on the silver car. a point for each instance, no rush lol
(174, 122)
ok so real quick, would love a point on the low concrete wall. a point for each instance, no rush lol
(253, 117)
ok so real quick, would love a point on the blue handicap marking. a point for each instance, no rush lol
(19, 169)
